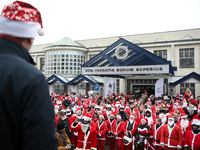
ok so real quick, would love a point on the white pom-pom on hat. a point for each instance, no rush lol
(41, 32)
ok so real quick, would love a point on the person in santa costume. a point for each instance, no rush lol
(132, 108)
(26, 108)
(141, 112)
(87, 136)
(171, 135)
(107, 112)
(192, 138)
(101, 128)
(118, 130)
(191, 110)
(142, 133)
(148, 115)
(197, 116)
(156, 130)
(110, 134)
(74, 135)
(163, 116)
(188, 94)
(130, 127)
(185, 124)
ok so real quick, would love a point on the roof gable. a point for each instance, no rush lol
(185, 78)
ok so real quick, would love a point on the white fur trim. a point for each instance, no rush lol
(18, 28)
(143, 120)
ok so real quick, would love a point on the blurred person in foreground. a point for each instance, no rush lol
(26, 109)
(63, 139)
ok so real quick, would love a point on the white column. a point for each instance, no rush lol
(172, 55)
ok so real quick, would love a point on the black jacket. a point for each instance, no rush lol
(67, 127)
(26, 111)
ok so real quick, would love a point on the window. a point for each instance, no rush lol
(186, 58)
(161, 53)
(184, 86)
(41, 64)
(63, 62)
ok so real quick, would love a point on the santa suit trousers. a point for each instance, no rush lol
(168, 148)
(111, 142)
(158, 147)
(119, 143)
(101, 144)
(128, 147)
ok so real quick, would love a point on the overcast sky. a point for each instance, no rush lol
(88, 19)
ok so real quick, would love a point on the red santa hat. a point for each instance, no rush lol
(183, 115)
(157, 108)
(20, 19)
(86, 117)
(132, 116)
(170, 117)
(119, 116)
(112, 115)
(68, 111)
(198, 110)
(101, 116)
(144, 119)
(77, 110)
(100, 111)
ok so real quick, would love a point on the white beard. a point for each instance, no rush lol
(56, 111)
(108, 112)
(84, 127)
(163, 118)
(113, 109)
(184, 124)
(191, 109)
(150, 121)
(184, 104)
(131, 120)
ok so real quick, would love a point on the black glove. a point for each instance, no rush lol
(98, 135)
(110, 132)
(72, 133)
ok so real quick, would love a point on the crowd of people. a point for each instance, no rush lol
(128, 122)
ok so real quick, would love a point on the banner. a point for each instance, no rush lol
(109, 87)
(159, 87)
(149, 69)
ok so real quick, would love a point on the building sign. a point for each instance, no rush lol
(96, 86)
(119, 70)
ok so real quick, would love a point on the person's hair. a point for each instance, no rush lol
(159, 119)
(61, 113)
(21, 39)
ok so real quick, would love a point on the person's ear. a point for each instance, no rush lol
(31, 40)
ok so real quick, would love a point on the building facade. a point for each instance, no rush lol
(66, 59)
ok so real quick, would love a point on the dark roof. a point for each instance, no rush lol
(74, 81)
(137, 56)
(191, 75)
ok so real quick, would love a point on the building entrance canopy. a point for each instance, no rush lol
(126, 58)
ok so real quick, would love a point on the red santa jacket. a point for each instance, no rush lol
(156, 134)
(188, 128)
(101, 130)
(118, 129)
(173, 138)
(133, 131)
(196, 117)
(128, 111)
(106, 116)
(110, 128)
(88, 141)
(192, 141)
